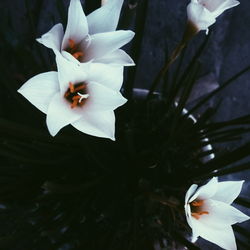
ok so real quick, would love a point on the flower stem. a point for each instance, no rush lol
(190, 31)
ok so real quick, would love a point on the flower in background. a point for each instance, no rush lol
(209, 213)
(203, 13)
(91, 38)
(86, 101)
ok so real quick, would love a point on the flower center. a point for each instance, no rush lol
(74, 50)
(197, 209)
(76, 94)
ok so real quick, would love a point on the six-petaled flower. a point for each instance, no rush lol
(209, 212)
(84, 96)
(203, 13)
(91, 38)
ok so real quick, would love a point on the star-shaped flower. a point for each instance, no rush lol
(209, 212)
(72, 96)
(91, 38)
(203, 13)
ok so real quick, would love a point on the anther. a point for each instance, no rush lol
(74, 104)
(197, 203)
(71, 87)
(71, 43)
(198, 214)
(74, 49)
(78, 54)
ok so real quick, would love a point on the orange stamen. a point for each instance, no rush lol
(71, 43)
(77, 97)
(78, 54)
(198, 214)
(197, 203)
(74, 104)
(80, 88)
(66, 94)
(76, 94)
(71, 87)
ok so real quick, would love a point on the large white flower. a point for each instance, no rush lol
(203, 13)
(209, 213)
(91, 38)
(72, 96)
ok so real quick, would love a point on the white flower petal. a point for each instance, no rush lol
(211, 5)
(60, 114)
(195, 229)
(69, 57)
(207, 191)
(102, 98)
(106, 18)
(188, 215)
(223, 236)
(190, 192)
(40, 89)
(228, 191)
(187, 208)
(53, 38)
(100, 124)
(217, 7)
(221, 214)
(200, 16)
(108, 75)
(225, 6)
(69, 72)
(77, 26)
(104, 43)
(119, 57)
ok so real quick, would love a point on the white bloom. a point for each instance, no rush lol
(86, 101)
(203, 13)
(209, 213)
(91, 38)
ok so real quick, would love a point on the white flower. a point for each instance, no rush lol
(209, 213)
(203, 13)
(86, 101)
(91, 38)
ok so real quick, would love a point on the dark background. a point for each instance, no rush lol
(228, 52)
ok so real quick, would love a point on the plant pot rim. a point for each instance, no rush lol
(140, 93)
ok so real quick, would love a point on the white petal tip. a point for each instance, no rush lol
(53, 133)
(52, 129)
(132, 34)
(130, 64)
(39, 40)
(194, 239)
(215, 179)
